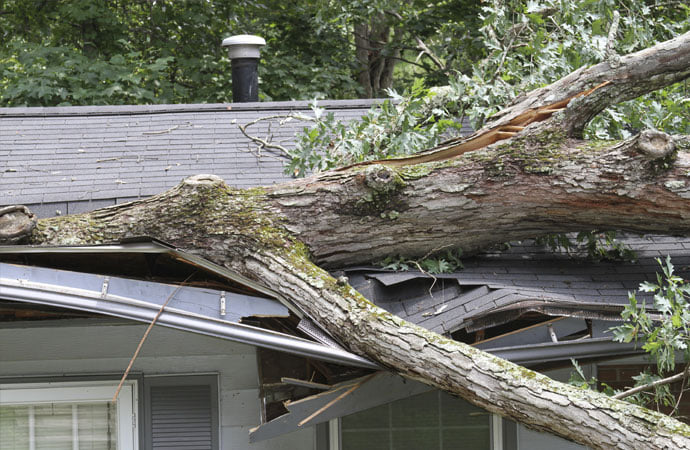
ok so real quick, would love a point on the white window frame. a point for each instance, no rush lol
(81, 392)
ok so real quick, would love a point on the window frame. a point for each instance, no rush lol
(17, 394)
(497, 437)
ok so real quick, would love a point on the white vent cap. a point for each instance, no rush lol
(243, 46)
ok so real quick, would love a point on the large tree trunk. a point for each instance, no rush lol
(539, 180)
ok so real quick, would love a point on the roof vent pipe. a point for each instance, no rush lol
(243, 51)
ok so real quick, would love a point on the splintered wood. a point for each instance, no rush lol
(456, 147)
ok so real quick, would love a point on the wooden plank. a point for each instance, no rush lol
(305, 383)
(383, 388)
(534, 334)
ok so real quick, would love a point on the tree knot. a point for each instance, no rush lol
(16, 222)
(655, 144)
(203, 180)
(382, 179)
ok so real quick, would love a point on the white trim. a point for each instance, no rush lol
(496, 432)
(334, 434)
(81, 392)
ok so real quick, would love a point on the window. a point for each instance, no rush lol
(433, 421)
(70, 416)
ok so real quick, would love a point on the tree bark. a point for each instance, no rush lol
(376, 55)
(541, 180)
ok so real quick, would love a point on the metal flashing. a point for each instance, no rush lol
(119, 110)
(146, 245)
(547, 352)
(140, 301)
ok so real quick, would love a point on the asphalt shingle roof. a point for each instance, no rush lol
(527, 275)
(74, 159)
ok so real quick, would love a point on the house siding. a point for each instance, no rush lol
(79, 349)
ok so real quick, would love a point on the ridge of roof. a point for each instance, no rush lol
(114, 110)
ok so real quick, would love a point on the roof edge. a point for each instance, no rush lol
(117, 110)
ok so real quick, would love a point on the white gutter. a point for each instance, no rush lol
(27, 291)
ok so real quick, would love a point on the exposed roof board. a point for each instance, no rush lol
(347, 398)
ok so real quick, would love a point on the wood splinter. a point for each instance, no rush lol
(453, 148)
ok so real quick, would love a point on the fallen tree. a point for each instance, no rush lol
(526, 173)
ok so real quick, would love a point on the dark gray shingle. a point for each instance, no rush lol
(104, 153)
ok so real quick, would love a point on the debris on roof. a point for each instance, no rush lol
(508, 299)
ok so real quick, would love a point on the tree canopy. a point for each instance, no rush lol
(137, 52)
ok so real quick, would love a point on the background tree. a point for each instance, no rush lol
(137, 51)
(140, 51)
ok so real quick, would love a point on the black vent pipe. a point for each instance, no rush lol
(243, 51)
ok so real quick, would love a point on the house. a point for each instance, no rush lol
(230, 361)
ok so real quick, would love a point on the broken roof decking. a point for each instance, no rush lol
(74, 159)
(526, 277)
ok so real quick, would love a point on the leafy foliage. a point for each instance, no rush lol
(538, 42)
(597, 245)
(665, 330)
(579, 379)
(447, 261)
(89, 52)
(658, 397)
(61, 75)
(524, 46)
(76, 47)
(390, 129)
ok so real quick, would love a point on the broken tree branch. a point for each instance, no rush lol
(540, 180)
(16, 223)
(264, 143)
(655, 384)
(143, 338)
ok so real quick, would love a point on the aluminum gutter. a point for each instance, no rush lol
(585, 348)
(152, 246)
(139, 310)
(203, 302)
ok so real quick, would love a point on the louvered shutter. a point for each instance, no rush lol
(182, 416)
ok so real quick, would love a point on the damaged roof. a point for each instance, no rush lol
(500, 287)
(218, 311)
(68, 160)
